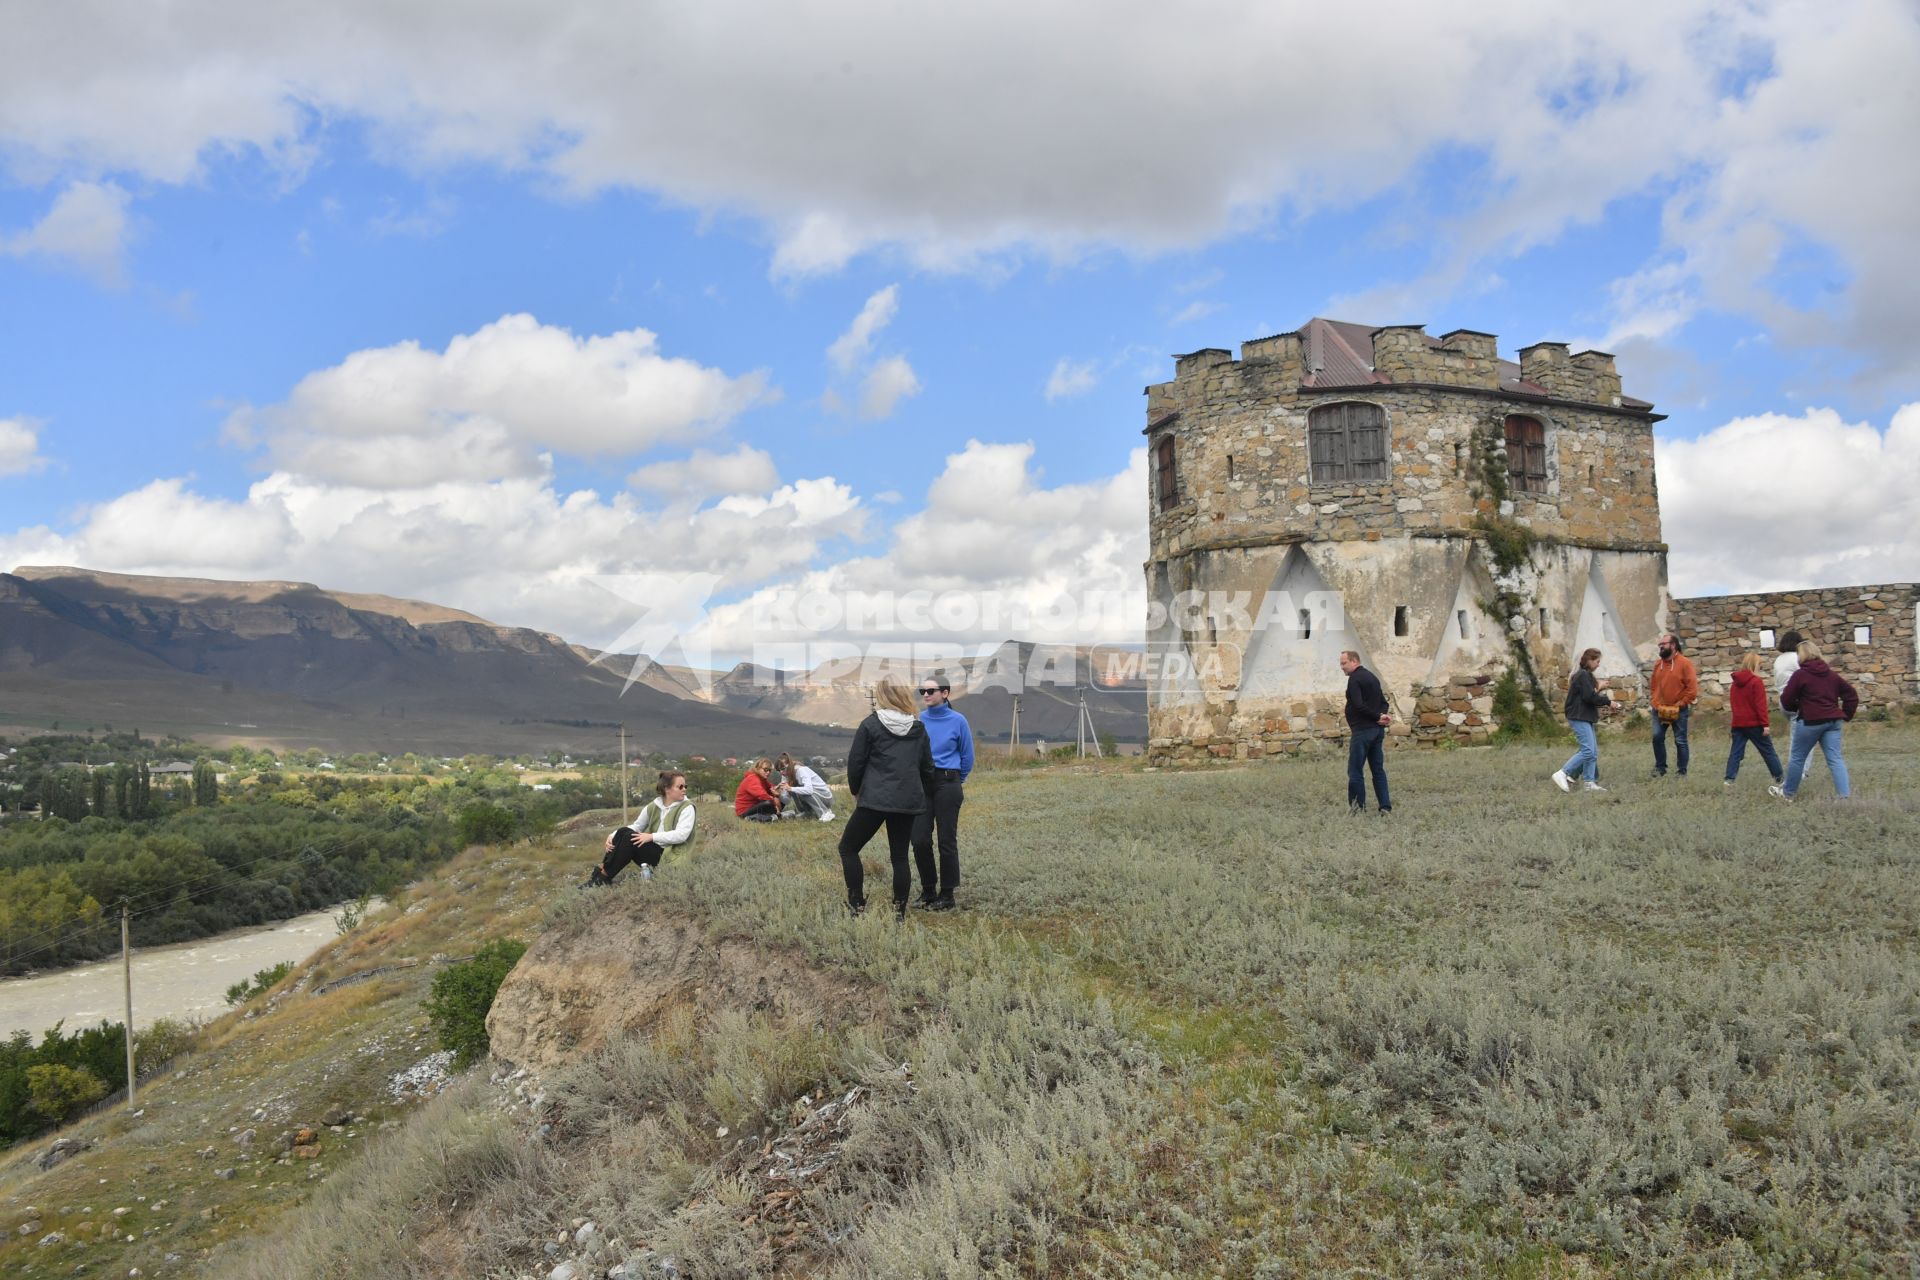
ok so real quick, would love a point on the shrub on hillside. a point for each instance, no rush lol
(247, 988)
(485, 824)
(57, 1091)
(463, 994)
(165, 1040)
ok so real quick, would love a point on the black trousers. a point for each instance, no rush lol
(860, 828)
(626, 849)
(762, 811)
(943, 812)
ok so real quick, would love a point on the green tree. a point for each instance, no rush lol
(485, 823)
(462, 995)
(206, 784)
(57, 1091)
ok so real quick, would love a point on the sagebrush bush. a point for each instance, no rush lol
(463, 993)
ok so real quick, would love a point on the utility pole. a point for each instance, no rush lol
(1087, 731)
(1013, 743)
(623, 775)
(126, 973)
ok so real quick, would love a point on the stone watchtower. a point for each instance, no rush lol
(1447, 514)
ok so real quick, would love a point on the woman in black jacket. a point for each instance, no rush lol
(889, 772)
(1587, 701)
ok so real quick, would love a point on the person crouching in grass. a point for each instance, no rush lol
(808, 795)
(1587, 701)
(758, 799)
(1747, 701)
(665, 822)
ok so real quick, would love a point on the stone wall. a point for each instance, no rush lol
(1239, 429)
(1717, 631)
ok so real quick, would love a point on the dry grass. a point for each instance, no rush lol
(1208, 1024)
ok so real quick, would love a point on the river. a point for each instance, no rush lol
(179, 980)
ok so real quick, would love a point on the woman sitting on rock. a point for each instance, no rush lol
(666, 820)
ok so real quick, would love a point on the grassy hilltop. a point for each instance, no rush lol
(1191, 1023)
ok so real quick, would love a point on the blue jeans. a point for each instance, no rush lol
(1368, 746)
(1762, 742)
(1586, 761)
(1827, 734)
(1679, 742)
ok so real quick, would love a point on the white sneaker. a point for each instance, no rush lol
(827, 816)
(1778, 791)
(1591, 786)
(1561, 780)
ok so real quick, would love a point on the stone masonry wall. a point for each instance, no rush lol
(1459, 711)
(1717, 631)
(1240, 438)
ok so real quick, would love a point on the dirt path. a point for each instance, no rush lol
(181, 980)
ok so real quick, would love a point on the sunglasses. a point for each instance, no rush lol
(928, 693)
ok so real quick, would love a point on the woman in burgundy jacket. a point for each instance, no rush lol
(1751, 721)
(1824, 702)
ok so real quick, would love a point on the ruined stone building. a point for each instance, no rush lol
(1445, 513)
(1449, 515)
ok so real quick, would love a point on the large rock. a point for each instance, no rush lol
(574, 991)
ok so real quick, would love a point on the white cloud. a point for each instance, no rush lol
(1748, 118)
(20, 447)
(1198, 309)
(85, 228)
(886, 385)
(1071, 378)
(851, 347)
(405, 415)
(704, 474)
(1774, 502)
(992, 529)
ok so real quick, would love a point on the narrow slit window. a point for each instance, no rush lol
(1306, 625)
(1399, 619)
(1863, 635)
(1167, 479)
(1461, 617)
(1229, 466)
(1543, 624)
(1767, 639)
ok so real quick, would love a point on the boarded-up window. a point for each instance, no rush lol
(1166, 479)
(1347, 443)
(1526, 453)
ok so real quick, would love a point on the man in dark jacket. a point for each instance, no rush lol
(1822, 702)
(1367, 719)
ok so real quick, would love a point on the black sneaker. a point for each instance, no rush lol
(942, 903)
(899, 912)
(856, 909)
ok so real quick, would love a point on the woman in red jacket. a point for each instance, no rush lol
(757, 800)
(1751, 722)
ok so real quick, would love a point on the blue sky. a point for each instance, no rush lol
(481, 309)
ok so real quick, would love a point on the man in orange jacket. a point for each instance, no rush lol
(1676, 687)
